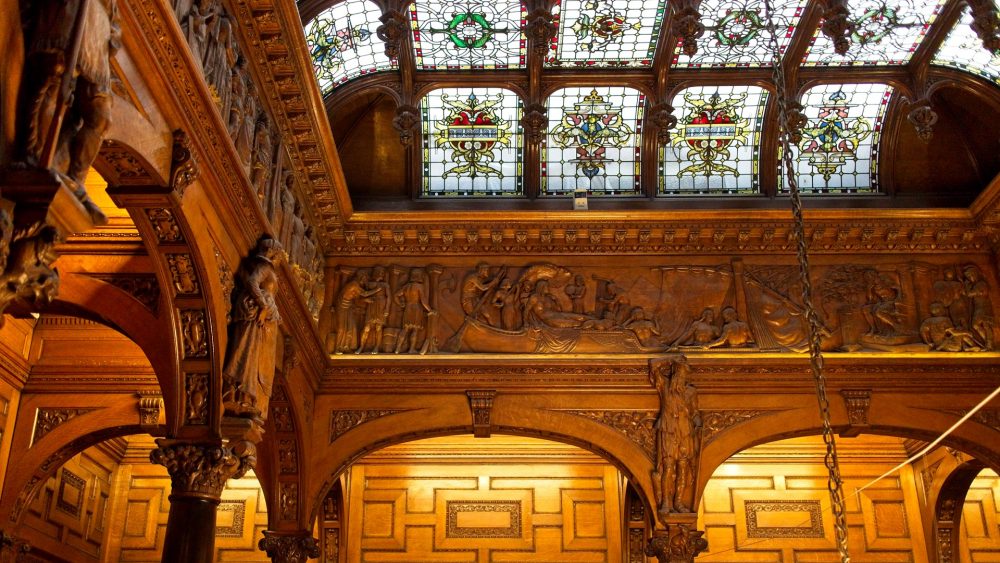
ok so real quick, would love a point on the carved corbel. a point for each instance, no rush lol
(923, 118)
(28, 279)
(858, 402)
(662, 117)
(679, 543)
(392, 31)
(13, 548)
(837, 25)
(540, 30)
(534, 123)
(183, 165)
(986, 23)
(687, 25)
(481, 403)
(406, 121)
(150, 403)
(199, 470)
(289, 548)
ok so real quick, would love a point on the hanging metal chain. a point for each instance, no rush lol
(815, 326)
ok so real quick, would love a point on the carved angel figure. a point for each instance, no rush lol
(248, 370)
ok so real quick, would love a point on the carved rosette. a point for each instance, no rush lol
(540, 30)
(183, 165)
(392, 31)
(289, 548)
(662, 117)
(680, 543)
(12, 548)
(923, 118)
(837, 25)
(534, 123)
(198, 469)
(406, 121)
(687, 25)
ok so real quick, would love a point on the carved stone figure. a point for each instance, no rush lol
(678, 437)
(376, 311)
(978, 293)
(64, 116)
(248, 369)
(576, 292)
(700, 332)
(735, 333)
(347, 326)
(412, 297)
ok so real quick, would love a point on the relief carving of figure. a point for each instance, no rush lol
(413, 298)
(616, 301)
(700, 332)
(950, 291)
(83, 102)
(646, 329)
(220, 54)
(477, 288)
(347, 327)
(940, 333)
(678, 442)
(882, 308)
(543, 309)
(576, 292)
(507, 299)
(376, 310)
(248, 370)
(977, 291)
(735, 333)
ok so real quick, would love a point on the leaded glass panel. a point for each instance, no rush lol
(343, 44)
(736, 33)
(715, 148)
(963, 49)
(593, 141)
(470, 34)
(471, 142)
(887, 32)
(838, 152)
(605, 33)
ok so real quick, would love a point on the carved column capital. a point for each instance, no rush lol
(289, 548)
(679, 543)
(199, 470)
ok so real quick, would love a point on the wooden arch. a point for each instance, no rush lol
(948, 510)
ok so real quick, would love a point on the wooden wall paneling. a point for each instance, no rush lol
(979, 539)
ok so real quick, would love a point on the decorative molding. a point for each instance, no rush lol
(636, 425)
(196, 398)
(715, 422)
(150, 403)
(235, 528)
(341, 421)
(48, 419)
(754, 507)
(69, 480)
(164, 225)
(456, 507)
(142, 287)
(195, 332)
(481, 403)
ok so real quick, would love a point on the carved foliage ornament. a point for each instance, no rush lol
(715, 422)
(195, 333)
(341, 421)
(183, 272)
(48, 419)
(394, 27)
(638, 426)
(164, 225)
(687, 25)
(295, 548)
(540, 30)
(681, 543)
(26, 257)
(923, 119)
(183, 164)
(143, 287)
(196, 398)
(405, 122)
(534, 123)
(199, 469)
(481, 403)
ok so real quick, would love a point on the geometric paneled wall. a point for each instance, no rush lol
(980, 535)
(499, 500)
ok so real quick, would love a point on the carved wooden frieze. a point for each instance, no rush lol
(48, 419)
(986, 417)
(552, 309)
(342, 421)
(637, 426)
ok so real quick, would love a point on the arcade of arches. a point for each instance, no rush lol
(334, 279)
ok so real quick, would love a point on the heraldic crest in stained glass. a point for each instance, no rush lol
(591, 127)
(327, 46)
(709, 130)
(472, 130)
(599, 25)
(833, 138)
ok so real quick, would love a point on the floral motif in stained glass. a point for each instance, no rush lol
(468, 34)
(736, 33)
(838, 152)
(963, 49)
(343, 44)
(887, 32)
(715, 148)
(471, 142)
(606, 32)
(593, 142)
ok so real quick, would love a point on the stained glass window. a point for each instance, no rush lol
(715, 148)
(468, 34)
(343, 44)
(593, 141)
(736, 33)
(887, 32)
(471, 142)
(606, 32)
(838, 152)
(964, 50)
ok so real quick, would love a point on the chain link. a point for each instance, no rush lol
(815, 326)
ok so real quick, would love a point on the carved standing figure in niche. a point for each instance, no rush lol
(347, 327)
(576, 292)
(412, 297)
(248, 370)
(701, 331)
(376, 310)
(978, 292)
(735, 333)
(678, 441)
(84, 99)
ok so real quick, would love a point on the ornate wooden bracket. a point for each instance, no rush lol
(184, 167)
(149, 405)
(680, 542)
(481, 403)
(858, 402)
